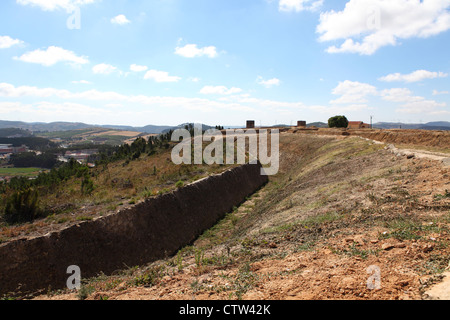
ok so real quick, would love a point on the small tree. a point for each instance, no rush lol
(338, 122)
(87, 186)
(22, 206)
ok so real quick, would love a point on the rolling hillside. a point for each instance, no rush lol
(339, 205)
(70, 126)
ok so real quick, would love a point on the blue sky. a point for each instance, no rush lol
(166, 62)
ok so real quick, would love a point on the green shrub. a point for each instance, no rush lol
(22, 206)
(338, 122)
(179, 184)
(87, 186)
(149, 277)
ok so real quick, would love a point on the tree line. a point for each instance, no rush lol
(34, 143)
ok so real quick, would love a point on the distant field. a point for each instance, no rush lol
(20, 171)
(88, 133)
(117, 133)
(113, 137)
(63, 134)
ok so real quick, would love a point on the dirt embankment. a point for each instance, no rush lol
(151, 230)
(418, 138)
(425, 138)
(343, 216)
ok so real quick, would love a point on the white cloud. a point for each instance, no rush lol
(81, 82)
(192, 51)
(103, 68)
(397, 95)
(415, 76)
(52, 5)
(222, 90)
(435, 92)
(273, 104)
(138, 68)
(7, 42)
(299, 5)
(120, 20)
(51, 56)
(353, 92)
(66, 108)
(268, 83)
(107, 105)
(368, 25)
(411, 103)
(333, 110)
(10, 91)
(160, 76)
(194, 79)
(422, 106)
(51, 111)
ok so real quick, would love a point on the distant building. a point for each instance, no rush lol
(358, 125)
(9, 149)
(77, 156)
(80, 156)
(301, 123)
(20, 149)
(250, 124)
(6, 150)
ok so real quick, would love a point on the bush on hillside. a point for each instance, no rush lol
(22, 206)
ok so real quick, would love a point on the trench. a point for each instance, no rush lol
(149, 231)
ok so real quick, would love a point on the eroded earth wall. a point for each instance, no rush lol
(149, 231)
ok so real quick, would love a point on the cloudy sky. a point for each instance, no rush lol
(166, 62)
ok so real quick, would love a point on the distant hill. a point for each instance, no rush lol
(438, 125)
(39, 126)
(67, 126)
(147, 129)
(318, 124)
(434, 128)
(14, 133)
(281, 126)
(183, 125)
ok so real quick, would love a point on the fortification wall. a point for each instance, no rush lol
(149, 231)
